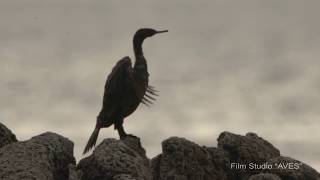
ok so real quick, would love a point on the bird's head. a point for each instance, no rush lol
(147, 32)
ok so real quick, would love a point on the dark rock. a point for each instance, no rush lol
(291, 169)
(184, 160)
(248, 148)
(117, 160)
(44, 157)
(74, 174)
(245, 150)
(221, 160)
(50, 157)
(155, 167)
(265, 176)
(123, 177)
(6, 136)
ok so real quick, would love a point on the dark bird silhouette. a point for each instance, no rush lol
(126, 87)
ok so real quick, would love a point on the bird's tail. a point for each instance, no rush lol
(92, 140)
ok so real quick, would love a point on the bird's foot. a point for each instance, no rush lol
(131, 135)
(128, 135)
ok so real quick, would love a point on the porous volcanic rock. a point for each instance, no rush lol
(182, 159)
(44, 157)
(248, 148)
(245, 150)
(265, 176)
(49, 156)
(291, 169)
(6, 136)
(74, 174)
(113, 159)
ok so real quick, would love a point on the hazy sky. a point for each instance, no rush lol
(225, 65)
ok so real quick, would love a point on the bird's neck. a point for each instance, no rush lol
(137, 46)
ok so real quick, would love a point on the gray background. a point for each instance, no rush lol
(225, 65)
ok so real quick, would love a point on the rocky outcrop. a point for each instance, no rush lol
(236, 158)
(288, 168)
(183, 159)
(116, 160)
(244, 150)
(265, 176)
(6, 136)
(248, 148)
(44, 157)
(49, 156)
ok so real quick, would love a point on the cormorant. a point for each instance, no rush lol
(126, 87)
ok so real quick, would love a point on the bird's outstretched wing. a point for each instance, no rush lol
(116, 82)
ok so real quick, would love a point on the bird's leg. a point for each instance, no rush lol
(119, 126)
(120, 129)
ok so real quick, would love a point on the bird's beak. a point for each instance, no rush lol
(162, 31)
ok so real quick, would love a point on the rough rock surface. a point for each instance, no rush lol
(116, 160)
(6, 136)
(245, 150)
(44, 157)
(291, 169)
(74, 174)
(265, 176)
(248, 148)
(50, 157)
(184, 160)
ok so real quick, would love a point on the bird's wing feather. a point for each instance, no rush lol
(115, 83)
(149, 96)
